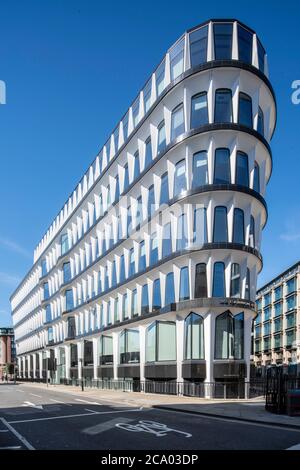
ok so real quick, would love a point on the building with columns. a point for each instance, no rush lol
(7, 350)
(148, 272)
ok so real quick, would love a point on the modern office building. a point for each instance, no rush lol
(277, 325)
(149, 270)
(7, 350)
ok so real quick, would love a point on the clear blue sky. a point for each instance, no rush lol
(72, 68)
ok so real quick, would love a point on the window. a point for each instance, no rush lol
(194, 337)
(46, 290)
(184, 290)
(116, 139)
(147, 96)
(278, 293)
(156, 299)
(179, 178)
(117, 191)
(131, 262)
(200, 226)
(256, 179)
(106, 279)
(48, 313)
(238, 227)
(177, 122)
(200, 281)
(125, 127)
(125, 313)
(64, 243)
(220, 225)
(200, 169)
(223, 40)
(108, 197)
(142, 258)
(139, 211)
(247, 287)
(291, 302)
(261, 56)
(176, 59)
(198, 46)
(113, 274)
(278, 309)
(167, 240)
(134, 305)
(116, 310)
(222, 166)
(129, 221)
(135, 111)
(145, 300)
(199, 110)
(245, 110)
(109, 312)
(153, 249)
(223, 106)
(161, 342)
(106, 350)
(251, 241)
(260, 122)
(229, 337)
(291, 285)
(182, 236)
(129, 347)
(126, 178)
(151, 201)
(242, 169)
(137, 170)
(160, 78)
(161, 139)
(219, 280)
(67, 272)
(69, 299)
(44, 267)
(245, 44)
(164, 189)
(122, 268)
(148, 153)
(170, 292)
(235, 281)
(50, 335)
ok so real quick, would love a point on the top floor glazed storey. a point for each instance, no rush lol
(213, 44)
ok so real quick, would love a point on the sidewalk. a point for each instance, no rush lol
(251, 410)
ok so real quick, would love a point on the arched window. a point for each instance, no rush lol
(222, 166)
(177, 122)
(113, 274)
(161, 139)
(151, 201)
(261, 56)
(260, 122)
(256, 179)
(125, 312)
(106, 350)
(238, 226)
(108, 197)
(161, 341)
(176, 59)
(142, 257)
(223, 105)
(167, 240)
(64, 243)
(179, 178)
(109, 312)
(156, 298)
(117, 190)
(184, 289)
(245, 110)
(153, 249)
(223, 40)
(200, 226)
(200, 281)
(131, 262)
(229, 337)
(164, 189)
(134, 304)
(220, 225)
(194, 337)
(145, 300)
(182, 236)
(219, 280)
(139, 211)
(129, 346)
(148, 153)
(198, 46)
(106, 278)
(116, 310)
(199, 110)
(122, 268)
(48, 313)
(67, 272)
(235, 281)
(245, 44)
(137, 170)
(251, 241)
(200, 169)
(169, 291)
(126, 178)
(69, 299)
(242, 169)
(247, 287)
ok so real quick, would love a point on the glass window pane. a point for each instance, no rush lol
(161, 141)
(239, 336)
(238, 226)
(199, 110)
(147, 96)
(242, 169)
(256, 181)
(179, 178)
(170, 293)
(156, 302)
(198, 46)
(200, 169)
(136, 166)
(261, 56)
(145, 300)
(200, 226)
(223, 40)
(200, 281)
(184, 291)
(154, 249)
(166, 341)
(235, 281)
(164, 189)
(223, 106)
(176, 59)
(219, 280)
(167, 240)
(245, 110)
(220, 225)
(224, 336)
(245, 44)
(260, 122)
(148, 153)
(177, 122)
(151, 201)
(182, 236)
(160, 78)
(151, 343)
(222, 167)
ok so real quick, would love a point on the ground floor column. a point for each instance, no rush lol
(180, 353)
(80, 358)
(68, 360)
(116, 354)
(41, 364)
(95, 357)
(142, 353)
(209, 335)
(247, 349)
(34, 366)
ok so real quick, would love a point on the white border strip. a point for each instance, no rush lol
(17, 434)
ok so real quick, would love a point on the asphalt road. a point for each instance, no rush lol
(36, 418)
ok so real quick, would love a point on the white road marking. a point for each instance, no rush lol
(28, 403)
(295, 447)
(92, 411)
(61, 402)
(17, 434)
(152, 427)
(20, 391)
(39, 396)
(102, 427)
(73, 416)
(10, 448)
(3, 430)
(88, 402)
